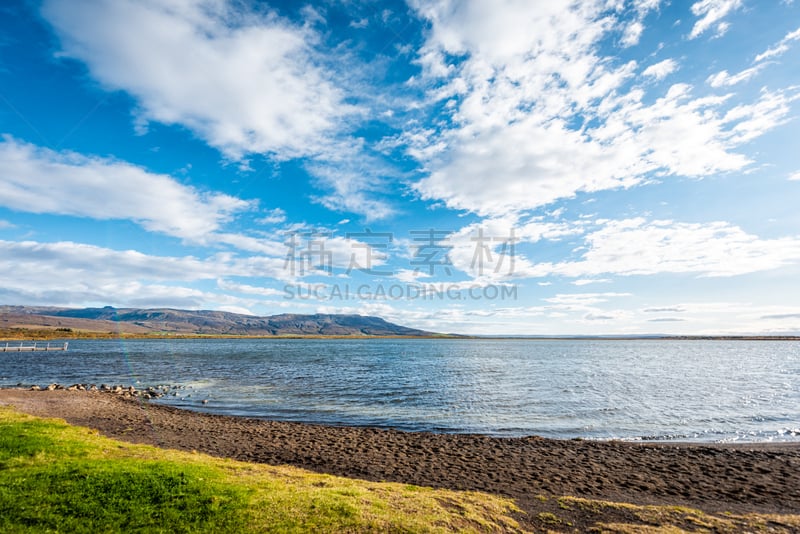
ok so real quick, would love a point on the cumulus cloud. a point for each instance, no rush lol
(245, 83)
(723, 79)
(489, 249)
(633, 32)
(711, 13)
(587, 281)
(227, 285)
(89, 262)
(126, 293)
(661, 70)
(780, 48)
(782, 316)
(746, 122)
(640, 247)
(410, 276)
(80, 274)
(538, 114)
(580, 301)
(600, 317)
(352, 180)
(621, 247)
(588, 306)
(634, 29)
(40, 180)
(274, 216)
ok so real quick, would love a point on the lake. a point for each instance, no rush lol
(593, 389)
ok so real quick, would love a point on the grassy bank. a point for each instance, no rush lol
(55, 477)
(49, 334)
(59, 478)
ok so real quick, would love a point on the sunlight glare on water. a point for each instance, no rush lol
(632, 389)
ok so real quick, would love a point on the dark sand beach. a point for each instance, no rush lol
(740, 478)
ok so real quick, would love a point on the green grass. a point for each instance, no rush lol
(54, 478)
(59, 478)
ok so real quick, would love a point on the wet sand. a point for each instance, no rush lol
(737, 478)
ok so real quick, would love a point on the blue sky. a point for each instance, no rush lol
(504, 167)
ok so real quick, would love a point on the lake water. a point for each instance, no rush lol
(637, 390)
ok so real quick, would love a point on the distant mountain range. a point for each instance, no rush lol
(167, 320)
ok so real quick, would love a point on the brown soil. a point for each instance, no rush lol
(762, 478)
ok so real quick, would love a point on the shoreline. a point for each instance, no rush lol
(47, 333)
(717, 477)
(664, 442)
(163, 391)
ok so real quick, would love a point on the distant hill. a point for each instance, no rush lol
(167, 320)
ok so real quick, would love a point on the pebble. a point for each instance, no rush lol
(151, 392)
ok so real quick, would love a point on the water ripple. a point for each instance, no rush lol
(633, 390)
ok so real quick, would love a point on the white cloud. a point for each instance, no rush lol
(643, 7)
(666, 309)
(633, 32)
(76, 274)
(351, 181)
(711, 13)
(732, 317)
(489, 249)
(227, 285)
(777, 50)
(40, 180)
(410, 276)
(607, 316)
(268, 246)
(791, 314)
(245, 83)
(587, 281)
(581, 301)
(749, 121)
(540, 115)
(309, 251)
(780, 48)
(79, 274)
(638, 247)
(274, 216)
(123, 293)
(90, 262)
(236, 309)
(5, 225)
(661, 70)
(723, 79)
(795, 176)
